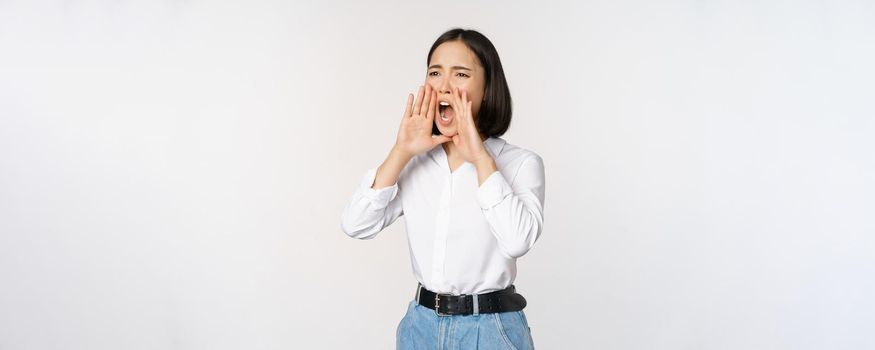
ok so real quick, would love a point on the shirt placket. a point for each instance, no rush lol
(442, 227)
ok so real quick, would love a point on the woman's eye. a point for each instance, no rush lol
(462, 75)
(434, 74)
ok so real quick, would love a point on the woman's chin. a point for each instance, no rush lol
(447, 132)
(450, 135)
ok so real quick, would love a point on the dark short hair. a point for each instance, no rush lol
(493, 119)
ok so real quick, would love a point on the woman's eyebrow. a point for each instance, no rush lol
(453, 67)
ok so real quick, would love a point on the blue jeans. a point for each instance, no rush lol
(422, 329)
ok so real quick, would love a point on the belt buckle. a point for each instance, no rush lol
(437, 305)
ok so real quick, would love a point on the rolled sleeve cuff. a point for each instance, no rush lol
(494, 190)
(379, 198)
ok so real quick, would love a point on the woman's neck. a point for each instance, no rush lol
(450, 147)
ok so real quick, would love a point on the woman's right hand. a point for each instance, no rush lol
(414, 135)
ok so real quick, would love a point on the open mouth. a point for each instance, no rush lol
(446, 112)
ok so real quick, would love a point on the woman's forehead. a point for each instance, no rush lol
(454, 53)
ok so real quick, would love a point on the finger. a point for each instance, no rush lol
(470, 119)
(466, 106)
(457, 106)
(418, 103)
(409, 107)
(432, 106)
(426, 101)
(461, 128)
(464, 112)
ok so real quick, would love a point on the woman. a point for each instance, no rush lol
(473, 202)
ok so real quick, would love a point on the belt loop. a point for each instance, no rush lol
(418, 289)
(476, 304)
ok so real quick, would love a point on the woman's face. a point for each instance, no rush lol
(454, 65)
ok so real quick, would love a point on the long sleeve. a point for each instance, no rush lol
(515, 212)
(369, 211)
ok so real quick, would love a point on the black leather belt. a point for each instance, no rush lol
(447, 304)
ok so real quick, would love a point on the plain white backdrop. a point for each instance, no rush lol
(172, 173)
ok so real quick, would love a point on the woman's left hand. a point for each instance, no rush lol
(467, 138)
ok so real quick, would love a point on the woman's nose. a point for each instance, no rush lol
(440, 86)
(444, 87)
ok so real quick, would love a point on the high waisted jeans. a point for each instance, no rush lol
(422, 329)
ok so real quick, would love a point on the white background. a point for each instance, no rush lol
(172, 173)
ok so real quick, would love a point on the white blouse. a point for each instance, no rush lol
(463, 238)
